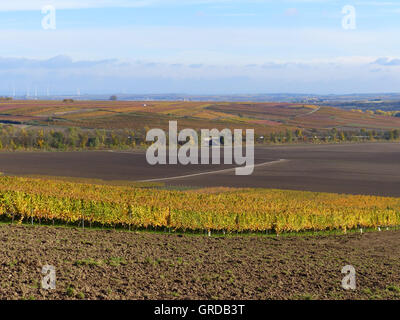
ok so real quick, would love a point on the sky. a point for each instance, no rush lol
(199, 46)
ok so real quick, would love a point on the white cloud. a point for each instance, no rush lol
(388, 62)
(330, 76)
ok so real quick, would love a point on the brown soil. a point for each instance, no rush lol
(108, 264)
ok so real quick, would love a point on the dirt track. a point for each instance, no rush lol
(350, 168)
(96, 264)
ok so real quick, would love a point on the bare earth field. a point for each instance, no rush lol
(371, 168)
(108, 264)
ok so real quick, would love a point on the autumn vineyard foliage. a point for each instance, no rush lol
(214, 209)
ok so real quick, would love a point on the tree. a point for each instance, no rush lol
(13, 146)
(299, 134)
(101, 136)
(40, 139)
(289, 136)
(334, 133)
(113, 98)
(115, 141)
(58, 140)
(94, 142)
(83, 139)
(72, 137)
(281, 137)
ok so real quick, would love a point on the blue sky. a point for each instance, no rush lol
(200, 46)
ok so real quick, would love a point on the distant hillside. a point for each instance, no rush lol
(263, 117)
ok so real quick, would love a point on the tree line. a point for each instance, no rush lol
(18, 138)
(14, 138)
(333, 135)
